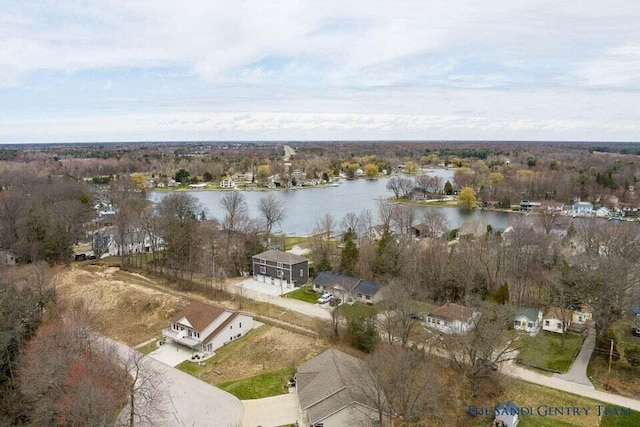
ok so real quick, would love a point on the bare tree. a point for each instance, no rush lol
(351, 223)
(145, 390)
(400, 186)
(400, 319)
(490, 342)
(403, 217)
(436, 222)
(272, 210)
(235, 209)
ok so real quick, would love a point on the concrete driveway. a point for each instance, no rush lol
(171, 353)
(271, 411)
(578, 372)
(189, 401)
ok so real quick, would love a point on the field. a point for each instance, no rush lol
(121, 310)
(544, 351)
(263, 350)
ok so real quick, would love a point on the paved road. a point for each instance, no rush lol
(272, 411)
(189, 401)
(311, 310)
(578, 372)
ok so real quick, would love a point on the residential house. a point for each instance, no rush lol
(556, 320)
(526, 205)
(332, 391)
(452, 319)
(471, 229)
(204, 327)
(348, 289)
(603, 212)
(506, 415)
(135, 242)
(630, 212)
(376, 232)
(527, 319)
(280, 268)
(582, 316)
(8, 258)
(582, 209)
(199, 185)
(420, 230)
(227, 183)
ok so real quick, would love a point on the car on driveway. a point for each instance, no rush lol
(325, 298)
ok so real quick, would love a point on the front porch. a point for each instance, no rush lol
(181, 338)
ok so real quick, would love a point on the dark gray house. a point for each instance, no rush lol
(280, 268)
(348, 289)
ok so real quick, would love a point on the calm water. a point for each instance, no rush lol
(305, 206)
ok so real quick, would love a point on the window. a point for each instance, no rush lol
(368, 297)
(230, 326)
(530, 324)
(240, 325)
(263, 261)
(547, 323)
(516, 324)
(301, 272)
(279, 265)
(280, 273)
(263, 270)
(359, 295)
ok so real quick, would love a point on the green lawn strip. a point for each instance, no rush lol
(544, 351)
(357, 310)
(304, 293)
(620, 419)
(263, 385)
(542, 422)
(204, 369)
(148, 348)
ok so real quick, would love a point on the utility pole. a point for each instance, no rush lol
(610, 358)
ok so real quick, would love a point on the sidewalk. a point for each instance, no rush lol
(578, 372)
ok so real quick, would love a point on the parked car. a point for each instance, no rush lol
(416, 316)
(325, 298)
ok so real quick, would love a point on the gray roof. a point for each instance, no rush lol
(348, 283)
(528, 313)
(507, 408)
(330, 382)
(279, 256)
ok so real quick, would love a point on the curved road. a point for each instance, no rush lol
(190, 401)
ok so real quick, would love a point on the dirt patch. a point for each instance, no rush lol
(119, 309)
(267, 349)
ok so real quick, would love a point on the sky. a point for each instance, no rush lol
(101, 71)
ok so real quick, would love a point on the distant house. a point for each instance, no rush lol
(581, 316)
(199, 185)
(205, 328)
(452, 319)
(135, 242)
(506, 415)
(556, 320)
(8, 258)
(526, 205)
(334, 390)
(227, 183)
(603, 212)
(582, 209)
(420, 230)
(280, 268)
(527, 319)
(376, 232)
(472, 229)
(347, 288)
(630, 212)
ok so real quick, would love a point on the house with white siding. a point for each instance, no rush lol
(203, 327)
(452, 319)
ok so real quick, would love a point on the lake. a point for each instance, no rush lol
(305, 206)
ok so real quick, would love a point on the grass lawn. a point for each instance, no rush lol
(358, 310)
(304, 293)
(621, 420)
(146, 349)
(544, 351)
(264, 385)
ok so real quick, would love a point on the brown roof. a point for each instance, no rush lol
(556, 313)
(199, 315)
(279, 256)
(220, 327)
(451, 311)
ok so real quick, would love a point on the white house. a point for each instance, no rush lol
(227, 183)
(452, 319)
(556, 320)
(527, 319)
(7, 258)
(582, 209)
(199, 185)
(603, 212)
(581, 316)
(205, 328)
(135, 242)
(506, 415)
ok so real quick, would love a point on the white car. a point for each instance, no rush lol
(324, 298)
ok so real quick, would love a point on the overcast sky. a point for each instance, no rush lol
(319, 69)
